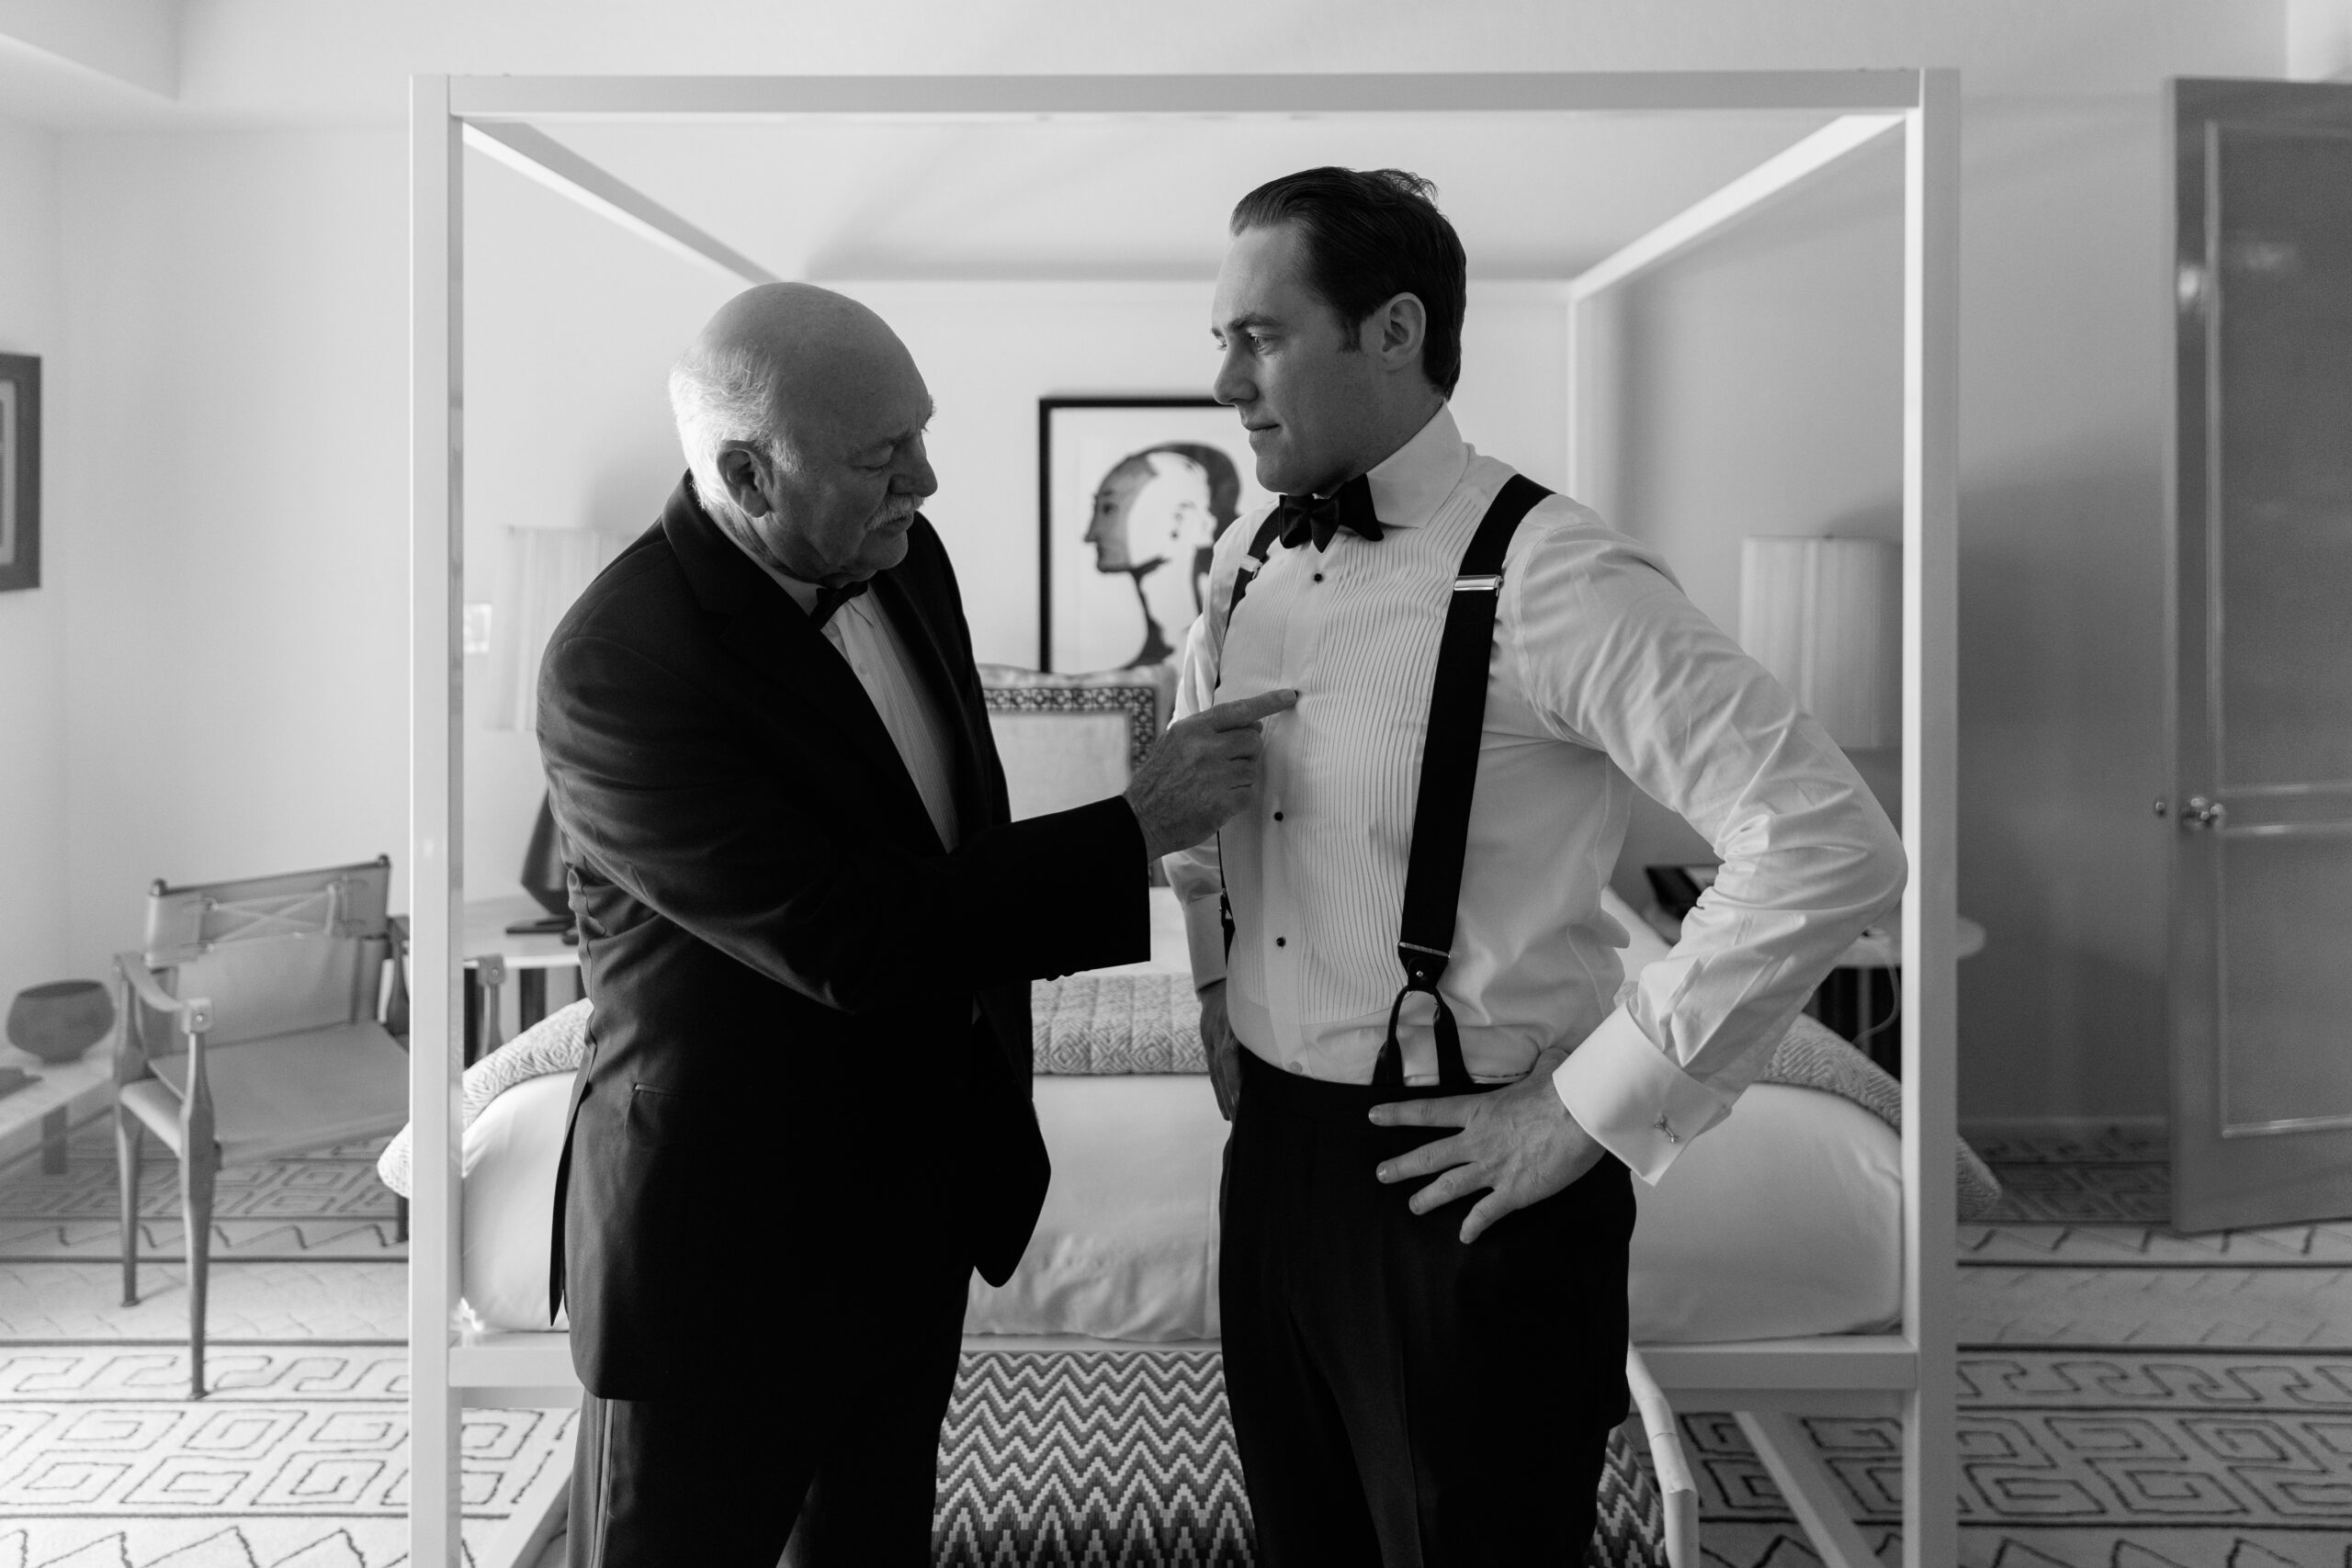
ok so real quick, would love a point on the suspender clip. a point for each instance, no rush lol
(1489, 583)
(1423, 966)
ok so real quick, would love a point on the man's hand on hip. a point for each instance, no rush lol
(1519, 1141)
(1223, 1049)
(1200, 773)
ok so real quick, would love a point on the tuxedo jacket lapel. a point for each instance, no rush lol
(762, 626)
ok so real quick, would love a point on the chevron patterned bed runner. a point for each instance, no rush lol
(1127, 1457)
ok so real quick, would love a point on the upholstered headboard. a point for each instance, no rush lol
(1069, 739)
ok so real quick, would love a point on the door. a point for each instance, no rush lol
(2260, 814)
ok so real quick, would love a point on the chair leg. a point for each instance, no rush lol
(196, 1218)
(127, 1137)
(399, 1209)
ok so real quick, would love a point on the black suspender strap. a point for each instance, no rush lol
(1449, 778)
(1259, 547)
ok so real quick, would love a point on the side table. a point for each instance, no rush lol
(1859, 998)
(492, 956)
(44, 1112)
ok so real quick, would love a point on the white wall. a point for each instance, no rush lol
(33, 882)
(2064, 292)
(1758, 388)
(237, 653)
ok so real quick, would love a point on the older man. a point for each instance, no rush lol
(809, 929)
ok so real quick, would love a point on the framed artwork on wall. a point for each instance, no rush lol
(19, 471)
(1133, 494)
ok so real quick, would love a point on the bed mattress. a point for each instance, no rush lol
(1785, 1220)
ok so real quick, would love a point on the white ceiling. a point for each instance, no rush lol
(184, 62)
(1534, 197)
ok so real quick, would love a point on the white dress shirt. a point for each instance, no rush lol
(1605, 678)
(877, 655)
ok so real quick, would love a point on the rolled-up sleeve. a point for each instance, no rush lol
(1612, 655)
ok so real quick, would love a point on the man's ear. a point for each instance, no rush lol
(1403, 324)
(744, 470)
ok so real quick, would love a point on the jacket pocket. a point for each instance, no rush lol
(661, 1117)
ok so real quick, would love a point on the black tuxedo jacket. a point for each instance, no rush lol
(785, 959)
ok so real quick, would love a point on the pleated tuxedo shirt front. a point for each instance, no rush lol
(1605, 679)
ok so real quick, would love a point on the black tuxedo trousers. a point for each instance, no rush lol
(791, 1142)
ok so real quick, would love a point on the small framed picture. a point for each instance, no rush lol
(1133, 494)
(19, 471)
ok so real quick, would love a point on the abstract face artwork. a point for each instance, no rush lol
(1130, 523)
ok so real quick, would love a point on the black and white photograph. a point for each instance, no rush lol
(19, 471)
(1314, 784)
(1136, 492)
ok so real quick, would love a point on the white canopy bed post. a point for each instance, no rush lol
(1931, 809)
(1930, 343)
(1910, 1372)
(437, 810)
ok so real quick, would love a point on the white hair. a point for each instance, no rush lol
(720, 396)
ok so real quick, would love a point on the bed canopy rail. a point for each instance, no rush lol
(1909, 1372)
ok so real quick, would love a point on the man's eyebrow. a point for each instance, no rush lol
(1240, 324)
(922, 427)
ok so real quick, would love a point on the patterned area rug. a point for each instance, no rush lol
(299, 1458)
(2130, 1398)
(326, 1206)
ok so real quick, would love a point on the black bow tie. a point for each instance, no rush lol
(831, 599)
(1320, 517)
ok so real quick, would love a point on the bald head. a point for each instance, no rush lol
(802, 416)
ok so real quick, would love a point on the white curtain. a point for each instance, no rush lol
(546, 570)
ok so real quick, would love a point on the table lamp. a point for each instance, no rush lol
(1825, 615)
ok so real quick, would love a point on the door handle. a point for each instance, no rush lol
(2197, 814)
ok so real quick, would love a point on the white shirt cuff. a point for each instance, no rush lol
(1204, 933)
(1625, 1092)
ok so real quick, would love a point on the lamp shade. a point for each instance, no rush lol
(1826, 617)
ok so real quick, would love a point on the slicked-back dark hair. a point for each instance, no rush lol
(1371, 235)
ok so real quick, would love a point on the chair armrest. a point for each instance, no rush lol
(143, 984)
(396, 1000)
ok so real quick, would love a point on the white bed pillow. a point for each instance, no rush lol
(1127, 1247)
(510, 1159)
(1785, 1219)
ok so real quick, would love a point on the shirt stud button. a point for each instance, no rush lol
(1318, 577)
(1281, 941)
(1278, 816)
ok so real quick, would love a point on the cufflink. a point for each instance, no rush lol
(1663, 1125)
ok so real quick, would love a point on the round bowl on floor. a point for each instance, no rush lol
(59, 1020)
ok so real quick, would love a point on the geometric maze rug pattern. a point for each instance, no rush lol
(2089, 1461)
(327, 1204)
(299, 1458)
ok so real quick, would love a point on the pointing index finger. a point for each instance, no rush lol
(1249, 710)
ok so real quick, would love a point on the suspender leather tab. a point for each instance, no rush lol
(1449, 779)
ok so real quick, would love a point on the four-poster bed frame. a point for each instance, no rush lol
(1908, 1373)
